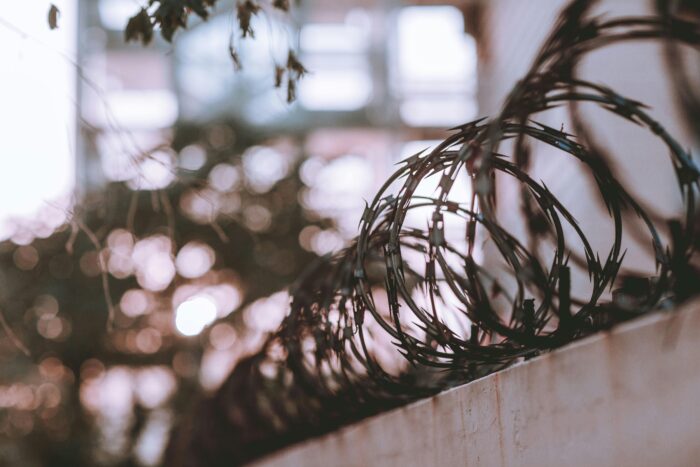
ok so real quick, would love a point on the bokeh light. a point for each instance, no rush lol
(194, 259)
(152, 258)
(194, 314)
(192, 157)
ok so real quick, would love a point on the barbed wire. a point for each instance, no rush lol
(452, 317)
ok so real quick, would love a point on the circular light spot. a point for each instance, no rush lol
(52, 368)
(26, 257)
(45, 305)
(90, 264)
(227, 297)
(193, 315)
(134, 302)
(257, 218)
(326, 241)
(192, 157)
(154, 266)
(91, 369)
(202, 206)
(307, 235)
(154, 385)
(222, 336)
(155, 172)
(264, 166)
(49, 395)
(120, 240)
(148, 340)
(194, 260)
(53, 327)
(223, 177)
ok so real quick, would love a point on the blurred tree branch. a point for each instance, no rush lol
(171, 15)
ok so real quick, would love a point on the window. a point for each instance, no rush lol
(434, 70)
(337, 54)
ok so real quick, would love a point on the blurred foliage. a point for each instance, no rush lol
(171, 15)
(53, 299)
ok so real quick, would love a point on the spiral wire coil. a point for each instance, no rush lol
(450, 316)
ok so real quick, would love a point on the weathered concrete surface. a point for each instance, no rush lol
(629, 397)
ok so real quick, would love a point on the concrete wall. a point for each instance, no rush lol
(514, 31)
(629, 397)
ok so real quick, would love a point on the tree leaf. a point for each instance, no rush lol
(54, 13)
(295, 66)
(279, 75)
(140, 28)
(281, 4)
(246, 10)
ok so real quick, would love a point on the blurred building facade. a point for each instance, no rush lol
(386, 79)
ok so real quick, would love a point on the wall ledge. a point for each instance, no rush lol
(626, 397)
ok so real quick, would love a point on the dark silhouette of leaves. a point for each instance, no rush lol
(172, 15)
(279, 75)
(139, 28)
(246, 10)
(294, 65)
(54, 13)
(281, 4)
